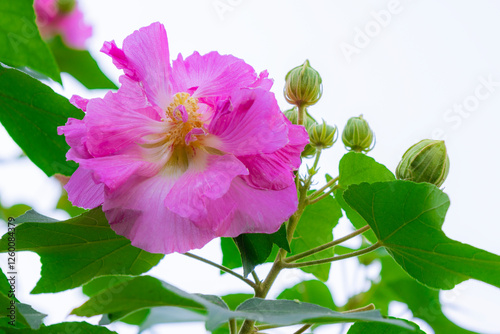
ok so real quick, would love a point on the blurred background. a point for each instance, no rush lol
(414, 69)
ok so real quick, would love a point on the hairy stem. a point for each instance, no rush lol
(221, 267)
(335, 258)
(326, 246)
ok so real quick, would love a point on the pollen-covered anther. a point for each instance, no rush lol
(185, 120)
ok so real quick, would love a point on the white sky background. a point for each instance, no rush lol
(409, 77)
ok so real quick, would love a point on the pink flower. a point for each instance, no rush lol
(62, 17)
(185, 153)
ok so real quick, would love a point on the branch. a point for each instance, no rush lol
(335, 258)
(326, 246)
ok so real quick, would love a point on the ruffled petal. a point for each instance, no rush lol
(145, 58)
(137, 212)
(263, 81)
(79, 102)
(115, 170)
(112, 126)
(275, 170)
(259, 211)
(211, 74)
(198, 186)
(83, 191)
(248, 123)
(75, 132)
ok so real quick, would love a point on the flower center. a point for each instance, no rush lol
(184, 130)
(185, 120)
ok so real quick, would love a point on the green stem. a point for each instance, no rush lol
(326, 186)
(303, 329)
(225, 269)
(301, 115)
(316, 160)
(255, 277)
(326, 246)
(335, 258)
(319, 198)
(233, 326)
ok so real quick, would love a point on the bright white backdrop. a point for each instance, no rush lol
(414, 69)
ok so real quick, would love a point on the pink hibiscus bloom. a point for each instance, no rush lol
(62, 17)
(183, 154)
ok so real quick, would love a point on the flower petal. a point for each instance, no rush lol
(73, 29)
(115, 170)
(198, 186)
(137, 212)
(75, 132)
(145, 58)
(112, 126)
(248, 123)
(83, 191)
(211, 74)
(275, 170)
(259, 211)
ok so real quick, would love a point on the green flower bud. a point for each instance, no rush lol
(357, 135)
(303, 86)
(426, 161)
(322, 136)
(66, 6)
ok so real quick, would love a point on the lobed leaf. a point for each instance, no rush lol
(355, 168)
(407, 217)
(74, 251)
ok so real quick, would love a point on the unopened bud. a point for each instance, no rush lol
(426, 161)
(322, 136)
(303, 86)
(357, 135)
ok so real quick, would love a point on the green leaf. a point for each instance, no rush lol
(80, 64)
(170, 304)
(381, 328)
(62, 328)
(314, 292)
(166, 303)
(13, 211)
(102, 283)
(233, 300)
(355, 168)
(288, 312)
(396, 285)
(255, 248)
(407, 218)
(231, 257)
(315, 229)
(20, 41)
(31, 112)
(14, 313)
(74, 251)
